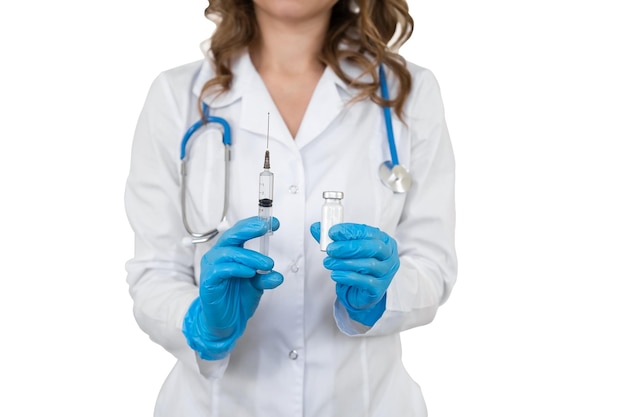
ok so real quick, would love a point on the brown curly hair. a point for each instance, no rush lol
(366, 27)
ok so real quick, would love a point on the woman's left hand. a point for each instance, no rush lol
(363, 260)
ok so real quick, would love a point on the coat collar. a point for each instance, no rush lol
(207, 72)
(329, 99)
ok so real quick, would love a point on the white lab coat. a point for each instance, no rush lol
(300, 355)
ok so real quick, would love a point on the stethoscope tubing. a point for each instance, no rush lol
(387, 112)
(226, 139)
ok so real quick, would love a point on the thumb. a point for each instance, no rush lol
(315, 231)
(267, 281)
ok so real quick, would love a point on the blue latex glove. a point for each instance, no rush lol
(230, 290)
(363, 260)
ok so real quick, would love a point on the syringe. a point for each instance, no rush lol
(266, 195)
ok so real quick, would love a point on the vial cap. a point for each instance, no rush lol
(332, 194)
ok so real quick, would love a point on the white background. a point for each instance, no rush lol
(536, 105)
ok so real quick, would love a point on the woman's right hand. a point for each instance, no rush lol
(230, 290)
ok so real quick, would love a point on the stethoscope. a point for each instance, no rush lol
(392, 174)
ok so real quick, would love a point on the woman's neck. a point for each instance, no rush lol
(290, 48)
(286, 56)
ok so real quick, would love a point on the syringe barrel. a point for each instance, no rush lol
(266, 197)
(266, 186)
(265, 214)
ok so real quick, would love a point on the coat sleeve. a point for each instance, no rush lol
(425, 232)
(160, 275)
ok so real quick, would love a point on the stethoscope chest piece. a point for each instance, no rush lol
(395, 177)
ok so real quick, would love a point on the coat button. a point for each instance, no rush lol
(295, 268)
(293, 355)
(294, 189)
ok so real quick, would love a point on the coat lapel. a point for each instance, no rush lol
(325, 105)
(327, 102)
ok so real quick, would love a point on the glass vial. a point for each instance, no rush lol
(332, 213)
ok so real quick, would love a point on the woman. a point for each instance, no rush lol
(300, 331)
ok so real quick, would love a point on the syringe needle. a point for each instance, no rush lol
(267, 138)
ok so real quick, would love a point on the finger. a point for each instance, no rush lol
(355, 296)
(315, 231)
(354, 279)
(239, 255)
(220, 294)
(353, 231)
(243, 256)
(358, 249)
(267, 281)
(275, 224)
(365, 266)
(217, 274)
(244, 230)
